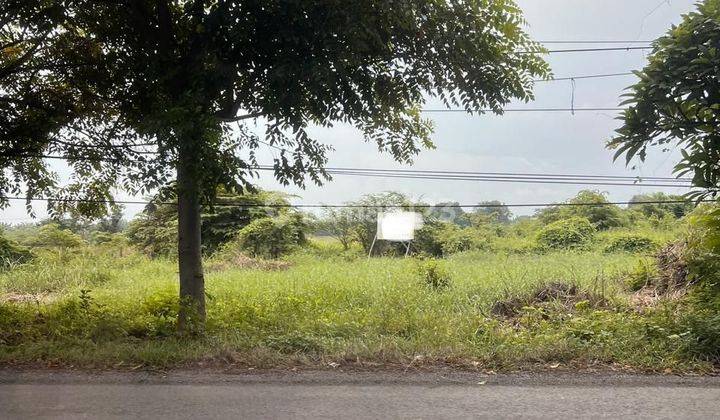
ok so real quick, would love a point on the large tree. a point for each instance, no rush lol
(142, 93)
(677, 100)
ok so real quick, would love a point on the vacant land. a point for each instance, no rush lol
(111, 307)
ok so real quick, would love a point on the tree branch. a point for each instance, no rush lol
(242, 117)
(7, 70)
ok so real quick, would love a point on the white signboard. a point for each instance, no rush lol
(398, 226)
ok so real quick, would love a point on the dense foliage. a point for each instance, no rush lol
(155, 230)
(677, 100)
(495, 212)
(651, 205)
(53, 236)
(272, 237)
(631, 243)
(11, 253)
(592, 205)
(439, 239)
(571, 233)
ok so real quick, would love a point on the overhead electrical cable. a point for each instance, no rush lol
(506, 180)
(503, 174)
(596, 41)
(582, 50)
(508, 177)
(440, 110)
(253, 205)
(585, 76)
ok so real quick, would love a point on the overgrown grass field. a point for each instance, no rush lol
(113, 308)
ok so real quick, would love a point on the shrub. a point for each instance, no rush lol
(433, 275)
(154, 231)
(154, 239)
(272, 237)
(642, 275)
(12, 253)
(571, 233)
(602, 216)
(461, 240)
(428, 240)
(631, 243)
(52, 236)
(438, 239)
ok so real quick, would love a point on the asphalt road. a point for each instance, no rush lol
(39, 395)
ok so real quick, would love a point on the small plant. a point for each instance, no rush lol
(86, 300)
(572, 233)
(643, 275)
(433, 274)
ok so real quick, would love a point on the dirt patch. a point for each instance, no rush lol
(558, 292)
(648, 297)
(242, 261)
(24, 298)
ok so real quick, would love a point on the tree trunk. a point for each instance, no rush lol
(191, 319)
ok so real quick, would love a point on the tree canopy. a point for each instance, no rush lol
(81, 74)
(676, 209)
(154, 231)
(496, 212)
(677, 100)
(588, 204)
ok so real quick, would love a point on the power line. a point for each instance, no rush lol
(586, 76)
(505, 180)
(252, 205)
(596, 41)
(438, 110)
(578, 50)
(501, 174)
(507, 177)
(514, 178)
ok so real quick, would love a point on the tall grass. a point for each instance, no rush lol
(101, 309)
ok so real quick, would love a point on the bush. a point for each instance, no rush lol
(154, 239)
(52, 236)
(272, 237)
(428, 239)
(631, 243)
(571, 233)
(602, 216)
(461, 240)
(154, 231)
(433, 275)
(439, 239)
(642, 275)
(12, 253)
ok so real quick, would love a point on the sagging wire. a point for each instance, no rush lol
(572, 95)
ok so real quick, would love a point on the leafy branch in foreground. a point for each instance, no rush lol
(677, 100)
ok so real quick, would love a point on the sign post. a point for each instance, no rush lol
(397, 227)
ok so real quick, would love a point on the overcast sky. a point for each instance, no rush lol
(515, 142)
